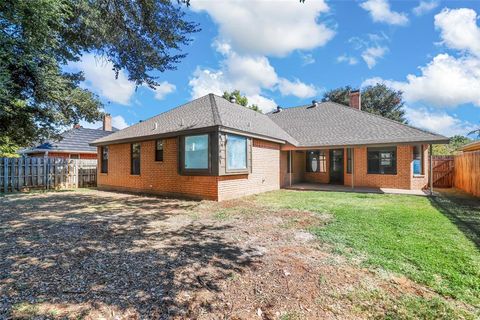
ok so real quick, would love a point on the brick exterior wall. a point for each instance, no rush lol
(163, 178)
(298, 168)
(265, 174)
(155, 177)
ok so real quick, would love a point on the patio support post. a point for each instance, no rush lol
(353, 166)
(290, 165)
(430, 176)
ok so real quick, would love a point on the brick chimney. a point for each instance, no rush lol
(107, 122)
(356, 99)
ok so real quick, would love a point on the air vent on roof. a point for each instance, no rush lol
(313, 105)
(279, 109)
(233, 99)
(155, 126)
(181, 122)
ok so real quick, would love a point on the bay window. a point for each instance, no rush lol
(196, 151)
(236, 152)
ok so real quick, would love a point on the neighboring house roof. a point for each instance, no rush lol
(73, 140)
(327, 124)
(207, 111)
(333, 124)
(472, 146)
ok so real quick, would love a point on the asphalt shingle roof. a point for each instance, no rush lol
(333, 124)
(327, 124)
(76, 139)
(207, 111)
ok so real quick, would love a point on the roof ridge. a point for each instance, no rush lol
(216, 115)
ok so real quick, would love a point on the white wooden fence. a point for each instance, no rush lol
(23, 174)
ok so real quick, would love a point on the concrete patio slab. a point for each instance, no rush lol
(341, 188)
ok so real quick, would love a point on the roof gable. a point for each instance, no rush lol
(204, 112)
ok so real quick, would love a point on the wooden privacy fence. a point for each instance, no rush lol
(443, 171)
(467, 172)
(21, 174)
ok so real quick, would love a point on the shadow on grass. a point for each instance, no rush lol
(80, 248)
(462, 210)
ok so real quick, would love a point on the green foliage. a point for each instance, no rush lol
(430, 240)
(377, 99)
(456, 142)
(39, 38)
(240, 99)
(7, 148)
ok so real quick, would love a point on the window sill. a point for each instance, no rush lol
(104, 173)
(419, 176)
(382, 174)
(134, 175)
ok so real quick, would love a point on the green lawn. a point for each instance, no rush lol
(433, 241)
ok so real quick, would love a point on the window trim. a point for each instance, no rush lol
(422, 160)
(242, 170)
(139, 159)
(379, 150)
(156, 150)
(103, 160)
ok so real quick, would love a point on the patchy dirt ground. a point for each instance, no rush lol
(92, 254)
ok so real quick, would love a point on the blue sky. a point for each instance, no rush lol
(287, 53)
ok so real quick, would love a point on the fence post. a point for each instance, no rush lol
(5, 175)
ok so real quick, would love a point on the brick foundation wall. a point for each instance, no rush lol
(265, 175)
(155, 177)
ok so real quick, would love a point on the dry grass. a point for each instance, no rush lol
(90, 255)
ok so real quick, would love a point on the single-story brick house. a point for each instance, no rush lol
(211, 148)
(74, 143)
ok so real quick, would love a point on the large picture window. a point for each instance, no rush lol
(316, 161)
(135, 159)
(104, 159)
(382, 160)
(196, 152)
(417, 160)
(236, 152)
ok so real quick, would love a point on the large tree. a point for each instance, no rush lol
(240, 99)
(378, 99)
(453, 147)
(38, 38)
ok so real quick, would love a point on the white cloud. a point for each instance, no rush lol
(162, 90)
(425, 6)
(307, 59)
(100, 78)
(117, 122)
(372, 54)
(347, 59)
(459, 30)
(251, 74)
(445, 82)
(296, 88)
(380, 11)
(438, 122)
(268, 28)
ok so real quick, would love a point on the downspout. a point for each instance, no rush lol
(430, 178)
